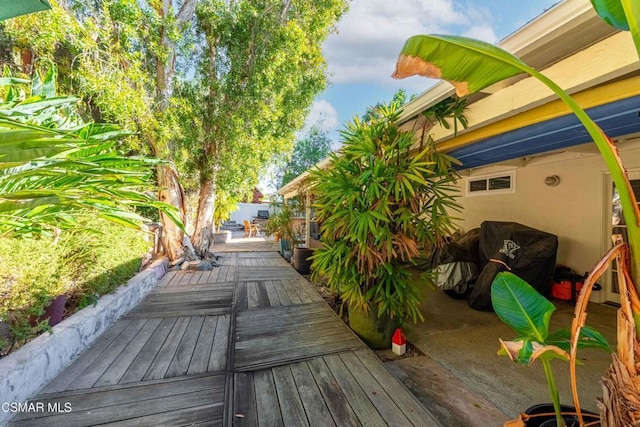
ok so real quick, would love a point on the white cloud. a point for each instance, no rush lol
(482, 32)
(323, 115)
(372, 33)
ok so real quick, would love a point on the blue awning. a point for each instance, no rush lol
(616, 119)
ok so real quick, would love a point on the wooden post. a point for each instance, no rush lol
(307, 219)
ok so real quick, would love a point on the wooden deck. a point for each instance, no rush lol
(250, 343)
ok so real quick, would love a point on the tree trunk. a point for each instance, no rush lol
(172, 194)
(203, 233)
(171, 191)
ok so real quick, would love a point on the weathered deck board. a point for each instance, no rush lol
(279, 335)
(267, 293)
(119, 366)
(267, 399)
(294, 362)
(271, 255)
(183, 401)
(263, 262)
(172, 303)
(383, 403)
(218, 357)
(405, 401)
(245, 413)
(290, 403)
(62, 381)
(249, 274)
(357, 398)
(336, 389)
(180, 363)
(314, 404)
(332, 394)
(147, 354)
(92, 373)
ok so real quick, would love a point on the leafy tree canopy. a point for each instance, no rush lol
(308, 151)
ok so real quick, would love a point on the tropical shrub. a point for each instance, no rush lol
(281, 222)
(53, 164)
(380, 203)
(84, 264)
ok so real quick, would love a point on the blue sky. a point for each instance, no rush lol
(362, 54)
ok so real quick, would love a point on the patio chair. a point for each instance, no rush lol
(251, 229)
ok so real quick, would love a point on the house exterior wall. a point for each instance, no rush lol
(575, 210)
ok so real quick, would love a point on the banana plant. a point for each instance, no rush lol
(471, 65)
(528, 313)
(53, 164)
(621, 14)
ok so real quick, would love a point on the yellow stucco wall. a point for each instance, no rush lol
(575, 210)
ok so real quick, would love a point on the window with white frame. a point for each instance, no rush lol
(504, 182)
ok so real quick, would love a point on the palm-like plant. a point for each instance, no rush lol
(52, 164)
(380, 203)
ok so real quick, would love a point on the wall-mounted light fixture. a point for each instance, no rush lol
(552, 180)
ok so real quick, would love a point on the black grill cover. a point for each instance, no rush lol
(529, 253)
(465, 249)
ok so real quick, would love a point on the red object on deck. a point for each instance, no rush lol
(398, 337)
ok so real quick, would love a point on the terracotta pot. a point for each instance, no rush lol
(376, 331)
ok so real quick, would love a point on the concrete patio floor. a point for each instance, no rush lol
(463, 381)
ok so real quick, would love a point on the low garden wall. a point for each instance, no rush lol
(26, 371)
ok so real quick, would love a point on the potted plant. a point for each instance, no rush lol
(472, 65)
(528, 313)
(380, 203)
(280, 222)
(225, 204)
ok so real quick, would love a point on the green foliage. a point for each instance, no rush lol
(252, 90)
(621, 14)
(52, 164)
(528, 313)
(258, 65)
(98, 49)
(379, 204)
(85, 263)
(99, 256)
(399, 99)
(281, 222)
(307, 152)
(225, 205)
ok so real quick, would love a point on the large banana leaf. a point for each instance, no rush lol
(621, 14)
(469, 65)
(52, 165)
(520, 306)
(13, 8)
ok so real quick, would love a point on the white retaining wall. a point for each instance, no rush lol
(26, 371)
